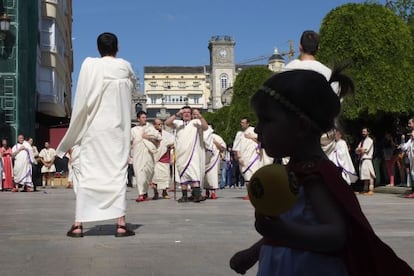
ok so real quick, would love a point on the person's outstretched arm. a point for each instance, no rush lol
(245, 259)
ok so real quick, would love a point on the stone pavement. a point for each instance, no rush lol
(171, 238)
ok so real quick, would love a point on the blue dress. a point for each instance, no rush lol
(286, 261)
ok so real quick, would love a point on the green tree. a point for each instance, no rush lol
(226, 121)
(402, 8)
(379, 45)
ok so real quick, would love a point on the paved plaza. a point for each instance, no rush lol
(171, 238)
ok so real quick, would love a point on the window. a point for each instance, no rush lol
(167, 84)
(223, 81)
(153, 84)
(181, 84)
(195, 100)
(196, 84)
(47, 36)
(175, 99)
(153, 100)
(60, 44)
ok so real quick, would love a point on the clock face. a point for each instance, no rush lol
(222, 53)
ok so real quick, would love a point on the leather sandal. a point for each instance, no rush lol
(71, 234)
(127, 232)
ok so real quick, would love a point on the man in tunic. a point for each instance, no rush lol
(408, 148)
(365, 152)
(162, 173)
(189, 150)
(144, 140)
(22, 169)
(47, 157)
(341, 158)
(247, 150)
(100, 127)
(36, 170)
(309, 46)
(214, 146)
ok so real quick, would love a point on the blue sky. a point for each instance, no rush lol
(176, 32)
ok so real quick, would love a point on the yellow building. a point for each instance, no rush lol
(171, 87)
(208, 87)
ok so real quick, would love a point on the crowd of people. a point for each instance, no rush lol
(324, 233)
(23, 167)
(185, 151)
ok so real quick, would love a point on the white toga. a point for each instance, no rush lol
(22, 167)
(341, 158)
(101, 125)
(212, 158)
(190, 151)
(162, 167)
(249, 152)
(143, 151)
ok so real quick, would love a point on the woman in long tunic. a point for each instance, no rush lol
(101, 117)
(7, 176)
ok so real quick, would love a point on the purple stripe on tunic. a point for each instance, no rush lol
(29, 172)
(251, 164)
(190, 182)
(191, 156)
(214, 164)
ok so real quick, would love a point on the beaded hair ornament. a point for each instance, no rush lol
(289, 105)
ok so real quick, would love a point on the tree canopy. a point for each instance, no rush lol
(402, 8)
(226, 121)
(379, 45)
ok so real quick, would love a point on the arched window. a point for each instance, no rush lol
(224, 81)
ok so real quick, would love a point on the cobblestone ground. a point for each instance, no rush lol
(171, 238)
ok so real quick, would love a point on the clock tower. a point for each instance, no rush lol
(222, 67)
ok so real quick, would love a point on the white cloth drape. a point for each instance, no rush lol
(100, 125)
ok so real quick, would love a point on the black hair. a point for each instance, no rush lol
(140, 113)
(246, 118)
(309, 42)
(107, 44)
(187, 107)
(368, 130)
(306, 93)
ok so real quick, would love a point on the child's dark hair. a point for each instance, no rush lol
(306, 93)
(309, 42)
(107, 44)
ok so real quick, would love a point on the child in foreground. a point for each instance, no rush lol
(325, 232)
